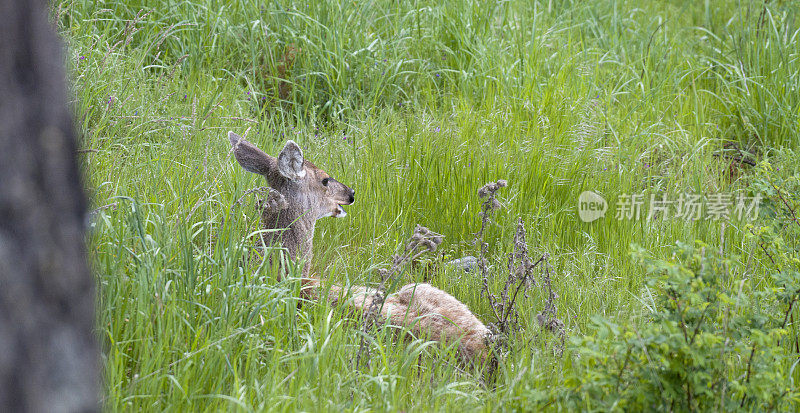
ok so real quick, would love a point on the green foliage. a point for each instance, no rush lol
(712, 342)
(731, 63)
(778, 236)
(416, 105)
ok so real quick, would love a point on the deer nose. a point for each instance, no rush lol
(352, 196)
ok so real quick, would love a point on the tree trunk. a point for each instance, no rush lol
(48, 352)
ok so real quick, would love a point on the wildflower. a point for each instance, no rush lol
(438, 75)
(82, 58)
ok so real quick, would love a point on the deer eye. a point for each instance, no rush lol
(325, 182)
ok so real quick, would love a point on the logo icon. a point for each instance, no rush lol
(591, 206)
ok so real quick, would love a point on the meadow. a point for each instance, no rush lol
(417, 105)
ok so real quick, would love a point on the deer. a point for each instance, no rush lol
(300, 194)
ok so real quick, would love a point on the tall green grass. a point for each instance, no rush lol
(415, 105)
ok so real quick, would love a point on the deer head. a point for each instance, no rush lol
(310, 193)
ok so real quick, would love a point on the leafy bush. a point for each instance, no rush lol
(778, 235)
(712, 342)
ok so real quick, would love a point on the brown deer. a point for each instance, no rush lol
(303, 193)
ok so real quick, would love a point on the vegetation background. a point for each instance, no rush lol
(416, 105)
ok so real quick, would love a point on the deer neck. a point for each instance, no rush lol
(293, 231)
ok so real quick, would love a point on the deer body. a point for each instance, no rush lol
(304, 193)
(427, 311)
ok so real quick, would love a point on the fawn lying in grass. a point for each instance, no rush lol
(303, 193)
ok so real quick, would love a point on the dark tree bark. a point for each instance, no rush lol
(48, 353)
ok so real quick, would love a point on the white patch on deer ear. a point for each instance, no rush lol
(290, 162)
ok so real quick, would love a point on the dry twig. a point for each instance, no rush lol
(423, 240)
(519, 278)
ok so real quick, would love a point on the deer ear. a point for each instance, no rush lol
(249, 156)
(290, 162)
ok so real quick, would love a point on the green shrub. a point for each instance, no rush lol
(711, 342)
